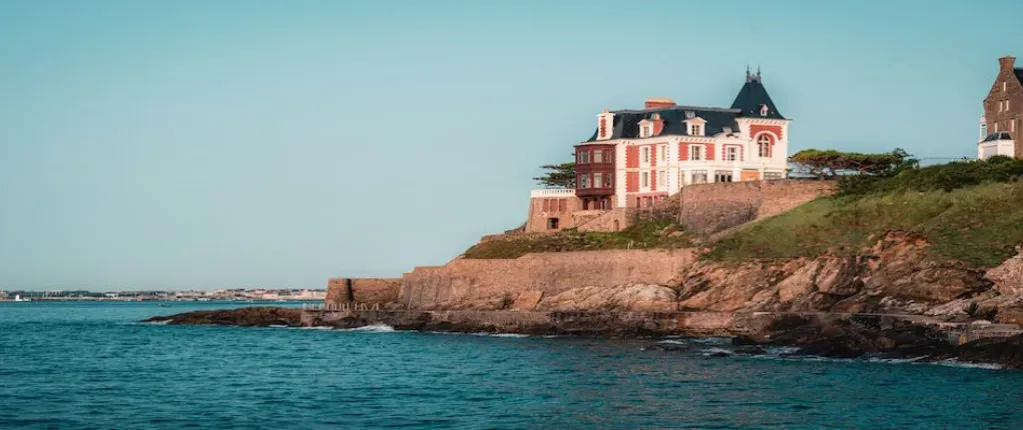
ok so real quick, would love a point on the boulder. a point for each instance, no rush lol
(1008, 277)
(254, 316)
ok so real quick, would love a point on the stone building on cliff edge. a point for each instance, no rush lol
(636, 158)
(1003, 111)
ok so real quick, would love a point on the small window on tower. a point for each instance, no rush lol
(763, 110)
(694, 130)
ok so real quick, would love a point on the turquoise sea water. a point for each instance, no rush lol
(91, 365)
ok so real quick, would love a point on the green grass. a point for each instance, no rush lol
(976, 224)
(641, 235)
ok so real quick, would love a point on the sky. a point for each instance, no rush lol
(242, 143)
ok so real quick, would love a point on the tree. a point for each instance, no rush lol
(557, 176)
(831, 163)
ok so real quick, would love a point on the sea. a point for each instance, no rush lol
(93, 365)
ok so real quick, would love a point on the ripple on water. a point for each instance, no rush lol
(93, 367)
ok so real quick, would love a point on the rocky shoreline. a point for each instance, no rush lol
(805, 336)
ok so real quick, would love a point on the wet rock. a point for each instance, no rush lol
(252, 317)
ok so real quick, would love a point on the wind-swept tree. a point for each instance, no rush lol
(830, 163)
(557, 176)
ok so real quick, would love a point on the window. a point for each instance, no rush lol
(1003, 86)
(646, 179)
(598, 156)
(763, 110)
(731, 153)
(646, 154)
(768, 176)
(584, 181)
(722, 176)
(646, 131)
(1012, 125)
(662, 180)
(607, 180)
(552, 223)
(764, 146)
(597, 179)
(662, 153)
(694, 130)
(699, 176)
(584, 157)
(561, 205)
(697, 152)
(1006, 105)
(546, 205)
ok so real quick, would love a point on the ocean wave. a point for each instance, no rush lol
(712, 351)
(372, 328)
(512, 335)
(319, 327)
(164, 322)
(673, 342)
(954, 363)
(712, 340)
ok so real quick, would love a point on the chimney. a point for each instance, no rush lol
(1007, 62)
(659, 102)
(658, 123)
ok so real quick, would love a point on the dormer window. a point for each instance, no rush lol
(695, 125)
(646, 128)
(763, 110)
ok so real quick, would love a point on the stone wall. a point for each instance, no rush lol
(364, 290)
(542, 209)
(709, 208)
(469, 283)
(613, 220)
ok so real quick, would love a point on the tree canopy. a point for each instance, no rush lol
(557, 176)
(831, 163)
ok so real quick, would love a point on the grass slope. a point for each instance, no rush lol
(977, 224)
(642, 235)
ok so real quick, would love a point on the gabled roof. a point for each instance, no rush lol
(626, 122)
(752, 96)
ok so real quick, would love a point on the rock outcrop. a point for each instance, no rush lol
(1008, 277)
(249, 317)
(641, 298)
(894, 276)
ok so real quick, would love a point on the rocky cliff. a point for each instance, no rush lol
(895, 276)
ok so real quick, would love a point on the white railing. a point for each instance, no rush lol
(552, 192)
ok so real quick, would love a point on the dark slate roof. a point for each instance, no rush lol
(1019, 75)
(626, 122)
(746, 104)
(752, 96)
(1002, 135)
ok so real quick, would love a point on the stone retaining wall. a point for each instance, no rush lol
(463, 281)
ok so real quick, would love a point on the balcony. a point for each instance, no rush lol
(552, 193)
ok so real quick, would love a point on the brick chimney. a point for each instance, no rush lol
(659, 102)
(658, 123)
(1007, 62)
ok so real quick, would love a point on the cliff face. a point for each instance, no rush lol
(895, 276)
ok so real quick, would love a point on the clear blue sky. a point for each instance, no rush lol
(174, 144)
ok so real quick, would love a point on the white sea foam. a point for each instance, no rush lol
(513, 335)
(372, 328)
(277, 326)
(712, 340)
(673, 342)
(954, 363)
(164, 322)
(314, 328)
(711, 351)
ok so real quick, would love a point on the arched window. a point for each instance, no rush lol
(764, 146)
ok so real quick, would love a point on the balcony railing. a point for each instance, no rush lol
(552, 192)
